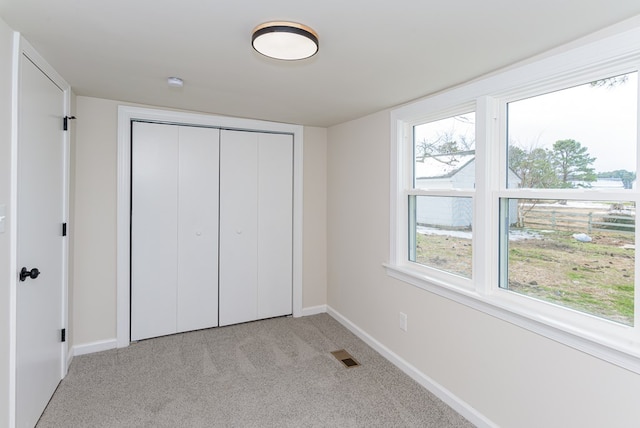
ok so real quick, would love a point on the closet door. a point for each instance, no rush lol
(238, 226)
(174, 229)
(256, 176)
(198, 177)
(275, 225)
(154, 229)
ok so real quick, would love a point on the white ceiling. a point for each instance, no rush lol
(374, 54)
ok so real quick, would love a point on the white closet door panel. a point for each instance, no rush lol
(153, 230)
(238, 226)
(197, 288)
(275, 231)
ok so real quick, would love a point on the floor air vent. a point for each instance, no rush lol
(345, 358)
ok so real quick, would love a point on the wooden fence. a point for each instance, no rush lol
(567, 219)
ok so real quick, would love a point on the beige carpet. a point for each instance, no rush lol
(271, 373)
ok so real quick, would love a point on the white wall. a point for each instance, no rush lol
(94, 221)
(512, 376)
(6, 40)
(314, 267)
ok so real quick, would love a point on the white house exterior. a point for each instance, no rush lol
(450, 172)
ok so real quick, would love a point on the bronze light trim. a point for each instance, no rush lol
(288, 41)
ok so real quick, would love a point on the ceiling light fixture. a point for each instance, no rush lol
(283, 40)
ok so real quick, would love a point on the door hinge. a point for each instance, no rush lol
(63, 335)
(65, 122)
(64, 229)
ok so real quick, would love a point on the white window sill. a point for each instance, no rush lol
(611, 343)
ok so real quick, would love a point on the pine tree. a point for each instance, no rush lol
(572, 162)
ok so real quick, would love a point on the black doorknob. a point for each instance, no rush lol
(33, 273)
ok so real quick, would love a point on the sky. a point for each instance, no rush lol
(603, 119)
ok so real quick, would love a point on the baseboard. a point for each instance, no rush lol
(314, 310)
(90, 348)
(434, 387)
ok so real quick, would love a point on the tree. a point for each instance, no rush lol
(534, 167)
(610, 82)
(540, 168)
(572, 162)
(445, 143)
(446, 137)
(627, 177)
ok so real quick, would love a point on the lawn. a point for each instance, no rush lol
(595, 277)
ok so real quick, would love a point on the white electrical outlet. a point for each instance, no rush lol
(403, 321)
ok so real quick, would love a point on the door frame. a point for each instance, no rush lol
(126, 114)
(22, 48)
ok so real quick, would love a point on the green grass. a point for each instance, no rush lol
(595, 277)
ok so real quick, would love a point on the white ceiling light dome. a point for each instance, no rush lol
(285, 40)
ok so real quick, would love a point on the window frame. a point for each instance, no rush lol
(488, 97)
(411, 190)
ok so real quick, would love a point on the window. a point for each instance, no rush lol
(577, 253)
(572, 250)
(442, 150)
(576, 138)
(516, 195)
(440, 233)
(440, 227)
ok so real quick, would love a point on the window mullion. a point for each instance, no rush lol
(401, 183)
(486, 179)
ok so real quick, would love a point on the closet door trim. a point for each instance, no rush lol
(127, 114)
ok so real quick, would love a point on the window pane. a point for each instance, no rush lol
(440, 233)
(579, 137)
(444, 153)
(578, 254)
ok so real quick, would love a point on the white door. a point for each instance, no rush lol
(238, 227)
(154, 237)
(39, 311)
(174, 229)
(275, 225)
(198, 176)
(256, 233)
